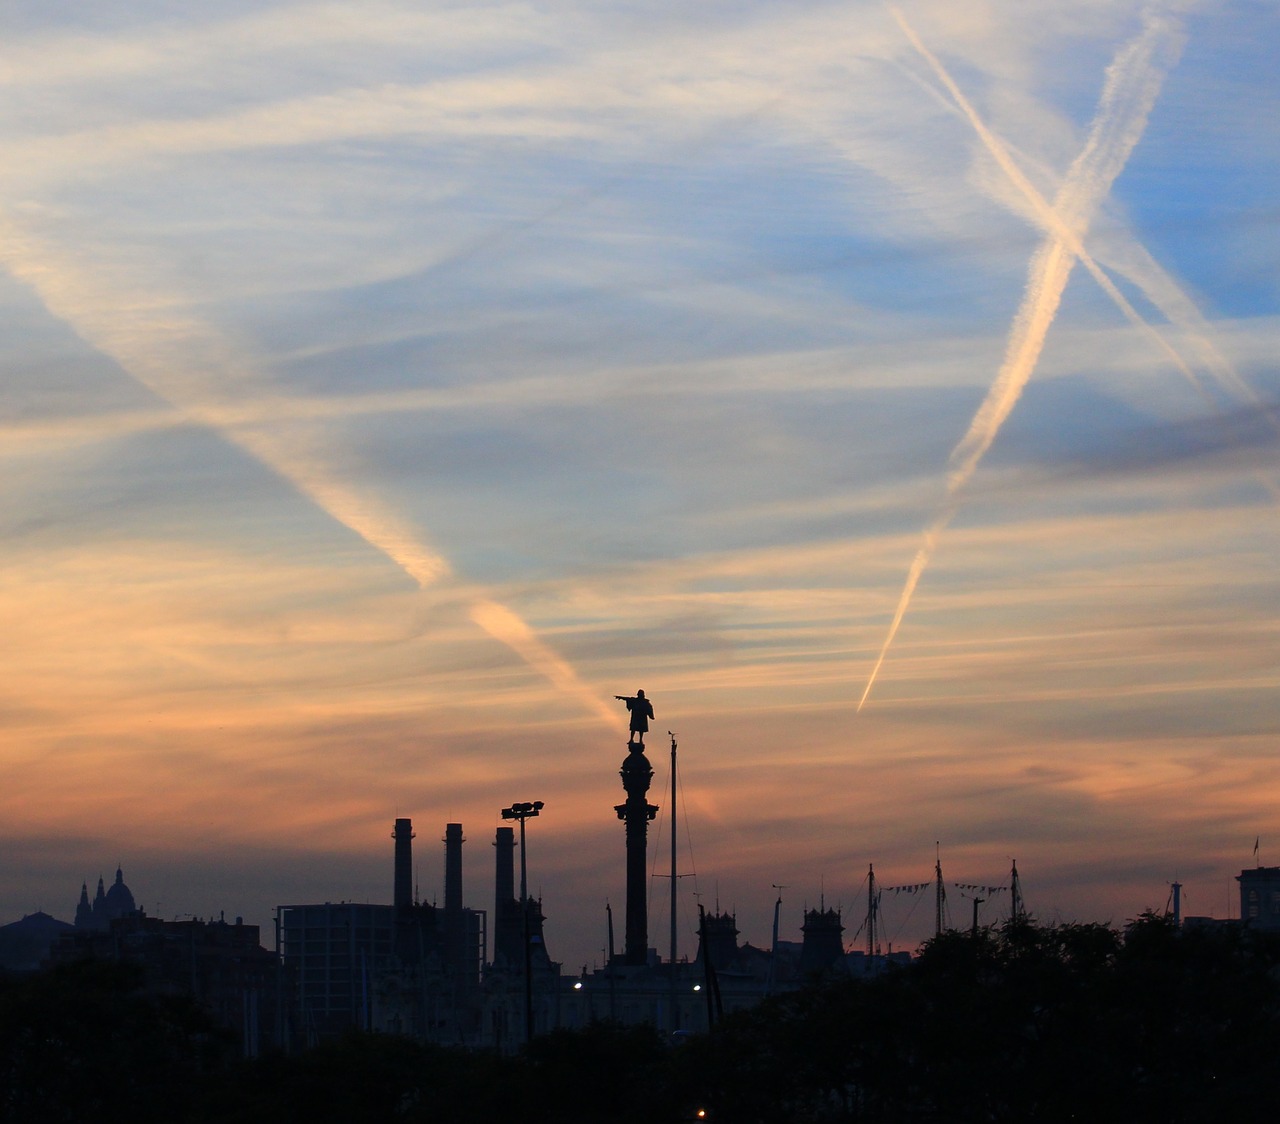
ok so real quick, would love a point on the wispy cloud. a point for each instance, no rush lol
(182, 362)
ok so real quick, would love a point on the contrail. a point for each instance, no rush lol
(175, 358)
(504, 625)
(1132, 85)
(1135, 262)
(1135, 77)
(181, 361)
(1133, 82)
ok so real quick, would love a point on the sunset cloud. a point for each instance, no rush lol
(386, 391)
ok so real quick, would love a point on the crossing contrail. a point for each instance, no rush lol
(184, 362)
(1133, 79)
(1149, 57)
(1132, 85)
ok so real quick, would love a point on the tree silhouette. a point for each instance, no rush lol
(1017, 1023)
(86, 1041)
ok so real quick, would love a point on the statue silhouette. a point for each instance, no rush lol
(641, 711)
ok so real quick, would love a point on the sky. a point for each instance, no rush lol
(890, 392)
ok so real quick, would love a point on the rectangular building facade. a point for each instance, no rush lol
(1260, 897)
(334, 954)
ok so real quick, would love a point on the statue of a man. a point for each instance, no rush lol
(641, 711)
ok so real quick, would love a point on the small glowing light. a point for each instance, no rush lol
(577, 986)
(698, 987)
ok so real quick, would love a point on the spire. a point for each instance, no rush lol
(84, 911)
(99, 909)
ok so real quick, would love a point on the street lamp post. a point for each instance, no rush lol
(524, 811)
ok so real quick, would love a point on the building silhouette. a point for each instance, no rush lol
(428, 970)
(107, 905)
(823, 949)
(1260, 897)
(406, 968)
(222, 965)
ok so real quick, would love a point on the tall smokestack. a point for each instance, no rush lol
(504, 877)
(508, 931)
(454, 933)
(453, 868)
(403, 835)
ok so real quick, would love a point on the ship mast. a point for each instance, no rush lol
(941, 892)
(675, 1019)
(873, 909)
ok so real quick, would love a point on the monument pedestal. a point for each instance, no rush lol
(637, 775)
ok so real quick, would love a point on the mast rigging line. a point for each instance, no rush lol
(654, 876)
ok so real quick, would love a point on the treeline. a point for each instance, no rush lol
(1021, 1023)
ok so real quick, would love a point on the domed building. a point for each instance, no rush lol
(107, 904)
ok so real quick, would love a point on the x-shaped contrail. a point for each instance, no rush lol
(1132, 85)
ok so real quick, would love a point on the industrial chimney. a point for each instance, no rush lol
(504, 877)
(403, 835)
(508, 939)
(453, 841)
(454, 932)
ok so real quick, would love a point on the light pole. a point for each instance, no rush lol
(522, 812)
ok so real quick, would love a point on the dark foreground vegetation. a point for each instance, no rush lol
(1023, 1023)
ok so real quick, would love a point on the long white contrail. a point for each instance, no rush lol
(189, 366)
(183, 362)
(1132, 85)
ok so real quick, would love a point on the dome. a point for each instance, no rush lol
(119, 901)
